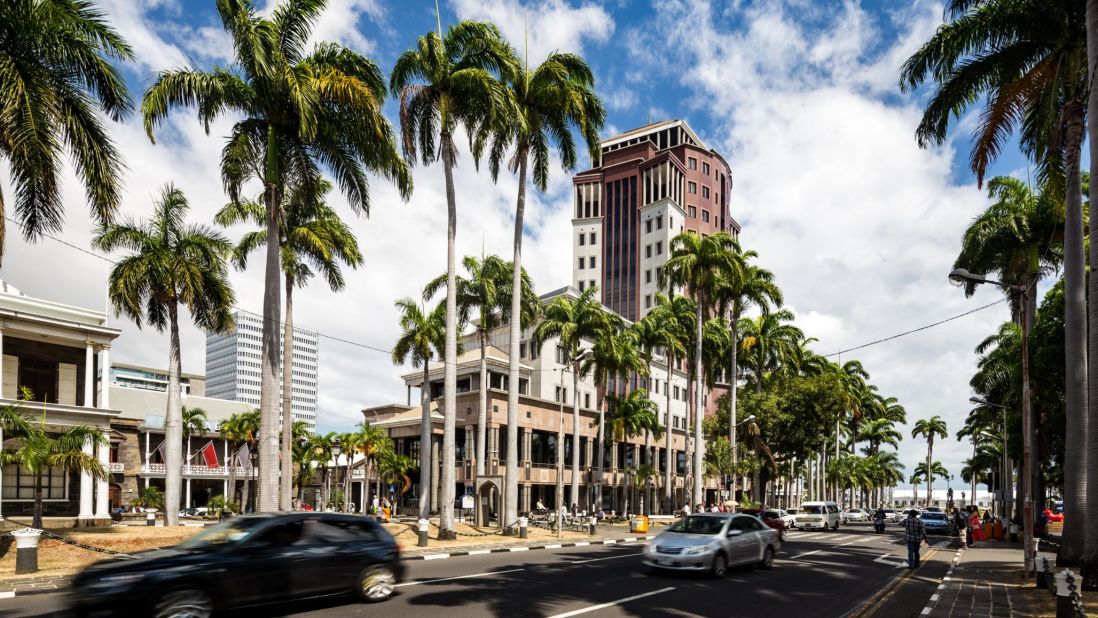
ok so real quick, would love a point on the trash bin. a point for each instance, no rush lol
(639, 524)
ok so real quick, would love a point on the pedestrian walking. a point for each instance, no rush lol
(976, 530)
(960, 522)
(914, 535)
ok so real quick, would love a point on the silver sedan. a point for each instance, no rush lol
(712, 542)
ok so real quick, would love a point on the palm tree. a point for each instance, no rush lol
(373, 443)
(544, 105)
(930, 471)
(929, 428)
(349, 443)
(878, 431)
(57, 80)
(194, 423)
(770, 342)
(423, 335)
(240, 429)
(38, 452)
(698, 265)
(393, 469)
(675, 317)
(170, 264)
(1026, 62)
(312, 239)
(295, 113)
(442, 84)
(628, 416)
(487, 290)
(572, 321)
(320, 451)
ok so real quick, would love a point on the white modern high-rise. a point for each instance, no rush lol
(233, 366)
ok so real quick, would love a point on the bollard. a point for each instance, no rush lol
(1065, 605)
(26, 550)
(423, 527)
(1013, 533)
(1043, 570)
(594, 522)
(523, 522)
(150, 519)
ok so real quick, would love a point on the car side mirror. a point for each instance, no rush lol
(735, 532)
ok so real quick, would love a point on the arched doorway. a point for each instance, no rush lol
(115, 496)
(489, 492)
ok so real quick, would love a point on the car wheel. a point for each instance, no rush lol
(376, 583)
(767, 559)
(720, 565)
(184, 604)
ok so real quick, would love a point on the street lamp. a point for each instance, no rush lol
(337, 449)
(254, 456)
(960, 276)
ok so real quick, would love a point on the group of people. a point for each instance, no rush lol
(966, 521)
(701, 508)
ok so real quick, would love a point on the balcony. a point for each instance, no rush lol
(116, 467)
(157, 469)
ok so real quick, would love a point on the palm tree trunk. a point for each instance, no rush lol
(648, 452)
(668, 476)
(1089, 510)
(732, 397)
(425, 445)
(575, 485)
(286, 489)
(449, 386)
(510, 493)
(599, 456)
(173, 425)
(699, 448)
(266, 494)
(929, 470)
(482, 403)
(36, 521)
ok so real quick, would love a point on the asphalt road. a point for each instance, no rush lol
(822, 574)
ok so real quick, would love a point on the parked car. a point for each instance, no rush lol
(712, 542)
(854, 515)
(820, 515)
(770, 517)
(936, 522)
(892, 515)
(248, 561)
(792, 517)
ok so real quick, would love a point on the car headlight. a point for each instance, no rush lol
(697, 549)
(118, 580)
(650, 548)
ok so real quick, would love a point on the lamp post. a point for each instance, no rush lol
(960, 276)
(337, 449)
(253, 490)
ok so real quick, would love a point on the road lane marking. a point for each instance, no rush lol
(436, 556)
(446, 579)
(611, 603)
(809, 553)
(479, 552)
(606, 558)
(553, 546)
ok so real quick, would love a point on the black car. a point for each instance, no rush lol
(247, 561)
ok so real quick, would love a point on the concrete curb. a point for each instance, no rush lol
(942, 585)
(502, 550)
(11, 594)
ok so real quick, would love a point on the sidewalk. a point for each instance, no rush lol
(985, 581)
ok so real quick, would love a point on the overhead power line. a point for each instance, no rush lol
(915, 330)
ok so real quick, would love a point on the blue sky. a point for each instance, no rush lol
(859, 225)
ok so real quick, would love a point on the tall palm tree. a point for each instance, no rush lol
(38, 451)
(296, 112)
(442, 84)
(879, 431)
(241, 429)
(171, 264)
(194, 423)
(755, 287)
(487, 290)
(423, 335)
(572, 321)
(349, 444)
(929, 471)
(698, 265)
(628, 416)
(312, 239)
(545, 103)
(769, 342)
(320, 451)
(1026, 62)
(675, 316)
(56, 81)
(373, 443)
(929, 428)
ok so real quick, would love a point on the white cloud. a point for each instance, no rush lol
(552, 25)
(859, 225)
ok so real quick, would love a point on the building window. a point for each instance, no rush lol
(692, 187)
(581, 262)
(591, 283)
(692, 163)
(648, 226)
(648, 276)
(562, 355)
(659, 248)
(19, 483)
(522, 348)
(656, 385)
(591, 237)
(659, 222)
(705, 168)
(647, 301)
(582, 238)
(675, 392)
(705, 192)
(648, 251)
(581, 286)
(705, 216)
(561, 394)
(591, 261)
(692, 212)
(586, 404)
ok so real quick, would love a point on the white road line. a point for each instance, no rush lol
(436, 556)
(479, 552)
(606, 558)
(524, 548)
(557, 545)
(446, 579)
(611, 603)
(859, 539)
(586, 543)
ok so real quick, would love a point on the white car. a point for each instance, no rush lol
(893, 516)
(854, 515)
(789, 518)
(819, 515)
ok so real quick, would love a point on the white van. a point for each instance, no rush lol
(819, 515)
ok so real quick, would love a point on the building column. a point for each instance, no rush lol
(435, 474)
(188, 503)
(105, 377)
(89, 376)
(225, 489)
(103, 486)
(86, 487)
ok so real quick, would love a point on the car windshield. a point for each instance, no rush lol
(225, 534)
(695, 524)
(933, 515)
(771, 515)
(813, 509)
